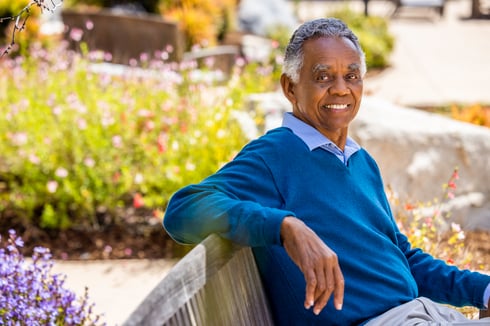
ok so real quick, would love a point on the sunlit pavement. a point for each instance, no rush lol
(436, 60)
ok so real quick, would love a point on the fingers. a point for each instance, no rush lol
(319, 264)
(320, 284)
(311, 282)
(332, 281)
(338, 299)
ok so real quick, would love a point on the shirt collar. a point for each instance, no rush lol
(313, 138)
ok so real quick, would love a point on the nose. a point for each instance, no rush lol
(339, 87)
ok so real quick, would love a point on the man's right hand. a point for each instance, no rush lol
(317, 261)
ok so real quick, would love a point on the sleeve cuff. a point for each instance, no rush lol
(486, 296)
(272, 229)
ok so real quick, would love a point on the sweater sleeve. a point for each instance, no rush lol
(240, 202)
(441, 282)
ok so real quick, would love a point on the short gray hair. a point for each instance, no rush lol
(321, 27)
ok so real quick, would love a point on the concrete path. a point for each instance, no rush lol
(115, 286)
(435, 61)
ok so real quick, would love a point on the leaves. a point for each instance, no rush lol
(76, 142)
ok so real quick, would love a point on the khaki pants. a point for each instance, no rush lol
(424, 312)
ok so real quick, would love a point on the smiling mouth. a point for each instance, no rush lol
(335, 106)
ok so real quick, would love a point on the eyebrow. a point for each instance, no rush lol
(320, 67)
(324, 67)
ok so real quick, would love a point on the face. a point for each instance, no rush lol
(328, 93)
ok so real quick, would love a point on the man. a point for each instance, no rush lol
(311, 204)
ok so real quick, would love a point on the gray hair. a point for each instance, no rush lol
(322, 27)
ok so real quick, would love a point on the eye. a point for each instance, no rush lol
(322, 77)
(353, 76)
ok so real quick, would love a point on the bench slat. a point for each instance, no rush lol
(216, 283)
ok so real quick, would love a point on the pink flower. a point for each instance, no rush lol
(76, 34)
(117, 141)
(89, 162)
(138, 200)
(89, 25)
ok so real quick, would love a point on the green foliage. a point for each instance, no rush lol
(477, 113)
(427, 225)
(78, 146)
(203, 22)
(373, 33)
(9, 10)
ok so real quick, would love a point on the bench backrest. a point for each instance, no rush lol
(216, 283)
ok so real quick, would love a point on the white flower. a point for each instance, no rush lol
(52, 186)
(61, 172)
(89, 162)
(138, 178)
(455, 227)
(189, 166)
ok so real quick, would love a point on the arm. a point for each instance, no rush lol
(240, 202)
(318, 263)
(444, 283)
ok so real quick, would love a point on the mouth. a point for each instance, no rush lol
(335, 106)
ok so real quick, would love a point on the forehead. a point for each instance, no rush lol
(330, 49)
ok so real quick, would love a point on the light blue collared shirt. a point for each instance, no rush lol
(314, 139)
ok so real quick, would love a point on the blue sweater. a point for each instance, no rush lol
(276, 176)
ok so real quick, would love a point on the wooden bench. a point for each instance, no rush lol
(437, 5)
(216, 283)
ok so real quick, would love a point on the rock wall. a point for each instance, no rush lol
(417, 152)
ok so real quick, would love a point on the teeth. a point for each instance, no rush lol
(336, 106)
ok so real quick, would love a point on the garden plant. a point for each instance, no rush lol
(31, 294)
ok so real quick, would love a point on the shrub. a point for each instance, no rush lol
(80, 147)
(373, 33)
(204, 23)
(476, 114)
(30, 294)
(427, 225)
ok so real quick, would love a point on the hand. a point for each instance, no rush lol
(317, 261)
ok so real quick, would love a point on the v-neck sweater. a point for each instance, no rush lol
(277, 176)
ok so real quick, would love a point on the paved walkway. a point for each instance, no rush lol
(435, 61)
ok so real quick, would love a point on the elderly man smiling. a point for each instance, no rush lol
(311, 203)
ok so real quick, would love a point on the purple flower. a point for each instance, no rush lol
(30, 294)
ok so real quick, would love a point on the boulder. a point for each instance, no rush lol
(416, 151)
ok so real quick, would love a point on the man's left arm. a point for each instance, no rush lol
(445, 283)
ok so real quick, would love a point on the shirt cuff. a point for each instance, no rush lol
(486, 295)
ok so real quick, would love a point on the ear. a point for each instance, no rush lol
(288, 88)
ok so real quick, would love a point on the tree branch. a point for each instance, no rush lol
(22, 17)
